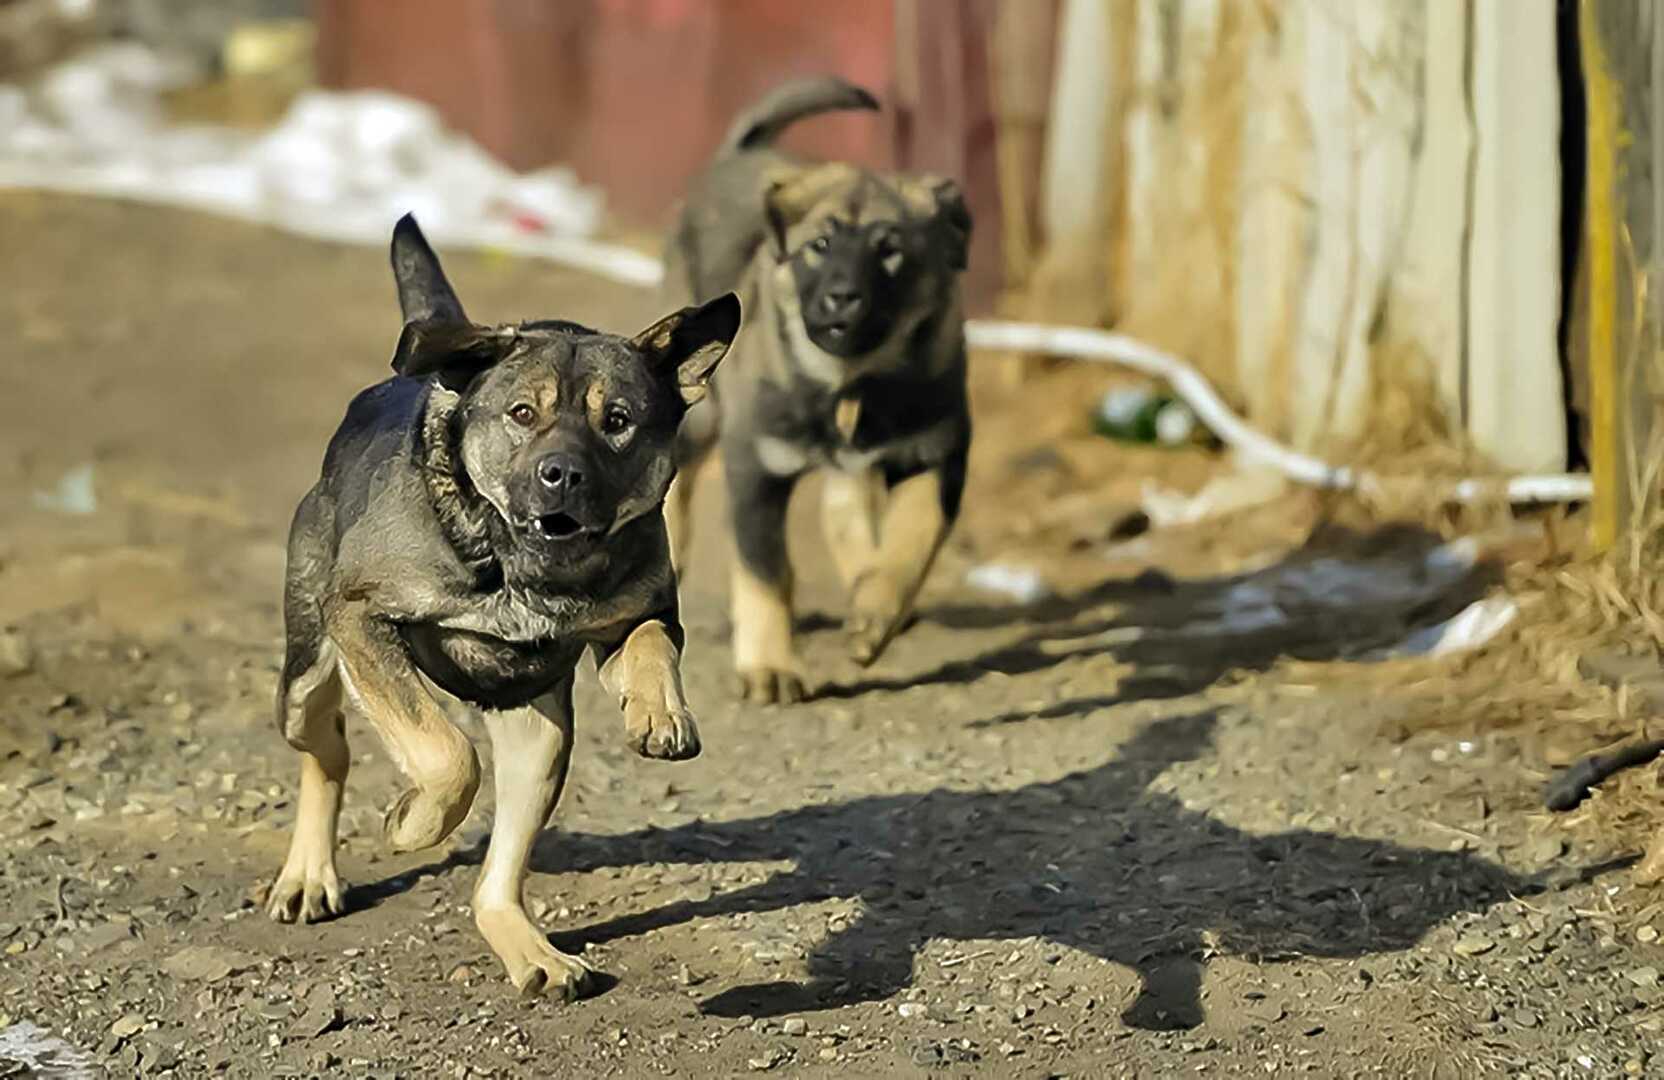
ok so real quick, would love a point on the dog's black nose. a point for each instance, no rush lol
(560, 472)
(841, 300)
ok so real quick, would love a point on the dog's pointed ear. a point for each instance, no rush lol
(953, 219)
(424, 294)
(453, 352)
(689, 343)
(790, 193)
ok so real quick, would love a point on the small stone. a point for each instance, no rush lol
(1643, 976)
(462, 973)
(321, 1015)
(795, 1026)
(1646, 935)
(911, 1010)
(768, 1061)
(1634, 1067)
(1473, 945)
(128, 1026)
(207, 963)
(17, 654)
(1525, 1018)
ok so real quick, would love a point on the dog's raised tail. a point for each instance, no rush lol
(785, 105)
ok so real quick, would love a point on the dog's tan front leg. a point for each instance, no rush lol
(385, 688)
(763, 651)
(912, 531)
(852, 507)
(531, 749)
(644, 673)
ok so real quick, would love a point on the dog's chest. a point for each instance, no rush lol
(890, 422)
(486, 670)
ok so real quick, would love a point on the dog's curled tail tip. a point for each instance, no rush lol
(791, 102)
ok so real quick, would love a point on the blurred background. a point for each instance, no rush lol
(1357, 220)
(1375, 505)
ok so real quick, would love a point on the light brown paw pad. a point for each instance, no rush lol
(305, 897)
(661, 733)
(565, 979)
(767, 686)
(869, 635)
(417, 819)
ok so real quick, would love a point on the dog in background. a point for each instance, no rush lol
(483, 518)
(851, 360)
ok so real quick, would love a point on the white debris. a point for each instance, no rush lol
(1018, 583)
(341, 166)
(40, 1053)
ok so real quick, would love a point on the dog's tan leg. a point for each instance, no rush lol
(763, 652)
(852, 505)
(308, 889)
(910, 535)
(530, 749)
(645, 675)
(384, 687)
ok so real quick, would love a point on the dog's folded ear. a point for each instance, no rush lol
(424, 293)
(454, 352)
(790, 193)
(944, 200)
(688, 344)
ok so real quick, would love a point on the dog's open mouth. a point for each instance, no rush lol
(557, 527)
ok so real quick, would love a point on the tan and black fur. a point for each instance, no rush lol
(851, 361)
(483, 518)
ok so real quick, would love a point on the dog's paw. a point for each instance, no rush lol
(771, 686)
(307, 890)
(421, 817)
(655, 730)
(878, 612)
(534, 966)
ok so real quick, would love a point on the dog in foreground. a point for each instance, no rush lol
(482, 518)
(851, 361)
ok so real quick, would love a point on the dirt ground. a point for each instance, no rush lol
(1031, 842)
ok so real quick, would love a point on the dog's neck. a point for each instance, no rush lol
(467, 519)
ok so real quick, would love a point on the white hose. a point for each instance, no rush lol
(1253, 445)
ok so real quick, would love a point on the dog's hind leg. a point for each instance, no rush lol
(531, 749)
(307, 889)
(384, 688)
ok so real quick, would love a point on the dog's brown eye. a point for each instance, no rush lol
(616, 422)
(523, 414)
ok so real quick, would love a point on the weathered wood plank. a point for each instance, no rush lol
(1516, 411)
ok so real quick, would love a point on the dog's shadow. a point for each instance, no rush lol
(1095, 860)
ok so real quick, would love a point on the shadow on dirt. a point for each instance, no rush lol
(1340, 596)
(1094, 860)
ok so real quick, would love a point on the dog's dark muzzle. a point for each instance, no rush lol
(843, 321)
(562, 500)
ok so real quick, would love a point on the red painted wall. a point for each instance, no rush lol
(633, 94)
